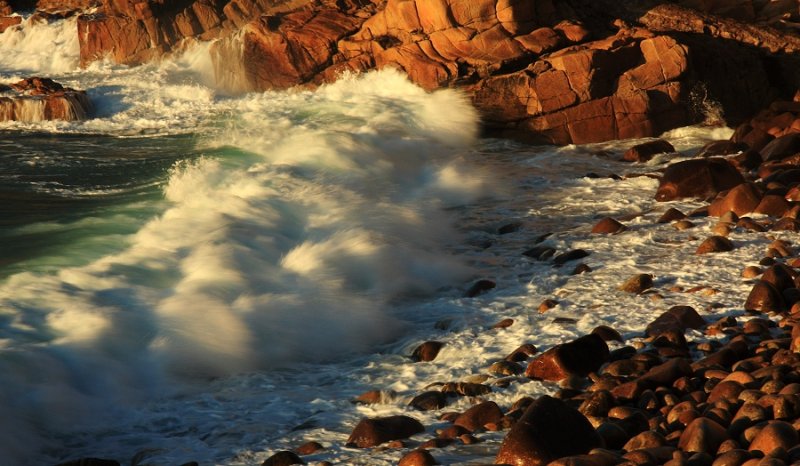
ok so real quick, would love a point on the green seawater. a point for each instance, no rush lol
(69, 199)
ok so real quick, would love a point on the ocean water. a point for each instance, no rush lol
(192, 275)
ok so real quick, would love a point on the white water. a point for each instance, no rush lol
(288, 252)
(300, 267)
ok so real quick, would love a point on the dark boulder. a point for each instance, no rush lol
(549, 429)
(697, 178)
(371, 432)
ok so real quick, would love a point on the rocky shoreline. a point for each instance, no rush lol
(563, 72)
(687, 390)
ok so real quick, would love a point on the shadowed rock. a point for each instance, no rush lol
(427, 351)
(579, 357)
(375, 431)
(646, 151)
(548, 430)
(608, 225)
(479, 415)
(741, 200)
(697, 178)
(764, 297)
(714, 244)
(283, 458)
(420, 457)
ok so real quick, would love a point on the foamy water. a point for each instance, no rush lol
(297, 261)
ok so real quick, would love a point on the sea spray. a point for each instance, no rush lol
(310, 218)
(309, 213)
(38, 47)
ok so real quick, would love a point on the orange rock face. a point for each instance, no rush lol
(38, 99)
(538, 70)
(135, 32)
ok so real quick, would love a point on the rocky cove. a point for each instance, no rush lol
(691, 387)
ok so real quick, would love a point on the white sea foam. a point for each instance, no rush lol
(40, 47)
(289, 253)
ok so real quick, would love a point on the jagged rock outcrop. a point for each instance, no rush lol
(570, 71)
(629, 85)
(38, 99)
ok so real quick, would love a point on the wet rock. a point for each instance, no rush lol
(735, 457)
(429, 401)
(39, 99)
(741, 200)
(683, 225)
(548, 430)
(481, 286)
(372, 432)
(541, 252)
(505, 323)
(697, 178)
(780, 276)
(597, 405)
(726, 357)
(9, 21)
(714, 244)
(638, 283)
(607, 333)
(614, 436)
(419, 457)
(772, 205)
(608, 225)
(522, 353)
(375, 396)
(577, 358)
(672, 214)
(427, 351)
(626, 367)
(646, 439)
(505, 368)
(466, 389)
(645, 151)
(786, 224)
(722, 147)
(283, 458)
(664, 374)
(781, 148)
(749, 224)
(764, 297)
(776, 434)
(547, 304)
(702, 435)
(726, 390)
(581, 269)
(575, 254)
(677, 318)
(479, 415)
(309, 448)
